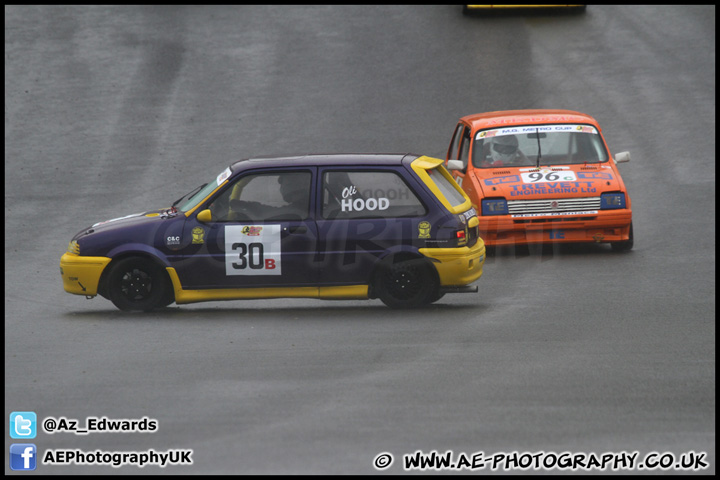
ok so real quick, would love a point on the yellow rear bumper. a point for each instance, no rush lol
(457, 266)
(81, 275)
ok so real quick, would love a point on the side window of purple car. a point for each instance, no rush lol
(368, 194)
(265, 197)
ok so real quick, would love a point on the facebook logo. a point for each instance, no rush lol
(23, 425)
(23, 456)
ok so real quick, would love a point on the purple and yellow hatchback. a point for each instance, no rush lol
(354, 226)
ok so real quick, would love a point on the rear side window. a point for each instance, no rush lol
(368, 194)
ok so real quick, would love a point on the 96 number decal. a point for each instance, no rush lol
(252, 250)
(549, 176)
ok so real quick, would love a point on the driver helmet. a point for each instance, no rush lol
(292, 189)
(504, 149)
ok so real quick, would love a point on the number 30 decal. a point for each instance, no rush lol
(252, 250)
(253, 256)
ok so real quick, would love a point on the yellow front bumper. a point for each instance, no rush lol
(81, 275)
(457, 266)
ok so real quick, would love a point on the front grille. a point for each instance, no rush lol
(550, 206)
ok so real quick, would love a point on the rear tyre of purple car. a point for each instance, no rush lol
(407, 283)
(139, 284)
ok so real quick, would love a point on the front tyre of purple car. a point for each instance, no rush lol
(139, 284)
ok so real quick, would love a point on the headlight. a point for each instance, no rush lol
(74, 248)
(494, 206)
(610, 201)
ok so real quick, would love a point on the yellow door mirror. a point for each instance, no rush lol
(205, 216)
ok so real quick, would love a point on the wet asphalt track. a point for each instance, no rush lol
(114, 110)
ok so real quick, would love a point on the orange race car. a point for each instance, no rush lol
(541, 176)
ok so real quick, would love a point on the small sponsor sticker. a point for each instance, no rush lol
(171, 240)
(198, 234)
(468, 214)
(424, 230)
(252, 231)
(223, 176)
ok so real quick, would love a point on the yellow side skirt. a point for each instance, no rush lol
(182, 296)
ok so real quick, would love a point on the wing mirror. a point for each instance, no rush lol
(622, 157)
(455, 165)
(205, 216)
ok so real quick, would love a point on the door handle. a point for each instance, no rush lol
(297, 229)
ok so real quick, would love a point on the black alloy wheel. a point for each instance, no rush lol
(139, 284)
